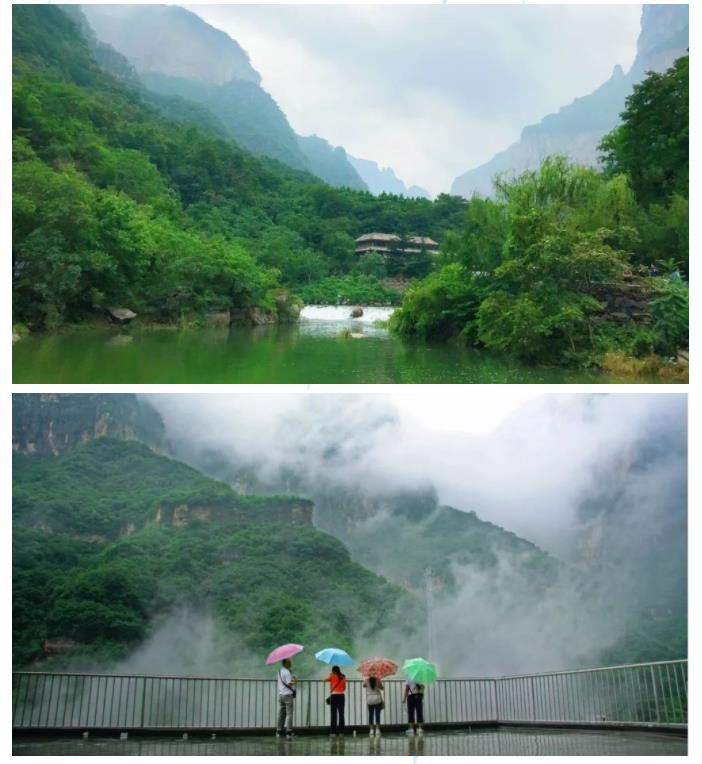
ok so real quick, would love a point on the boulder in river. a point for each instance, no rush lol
(121, 315)
(357, 312)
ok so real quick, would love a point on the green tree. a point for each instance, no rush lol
(372, 264)
(651, 145)
(671, 313)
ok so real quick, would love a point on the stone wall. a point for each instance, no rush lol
(623, 303)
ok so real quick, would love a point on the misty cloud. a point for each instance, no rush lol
(597, 480)
(530, 475)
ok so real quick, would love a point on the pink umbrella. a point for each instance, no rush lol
(377, 667)
(283, 652)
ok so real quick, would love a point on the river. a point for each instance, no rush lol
(318, 349)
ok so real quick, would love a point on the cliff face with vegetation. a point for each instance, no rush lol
(175, 53)
(53, 424)
(577, 129)
(111, 539)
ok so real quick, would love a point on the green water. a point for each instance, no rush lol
(307, 353)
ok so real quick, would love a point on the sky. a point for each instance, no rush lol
(431, 91)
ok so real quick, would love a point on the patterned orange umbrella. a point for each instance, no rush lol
(377, 667)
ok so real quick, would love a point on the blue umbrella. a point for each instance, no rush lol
(334, 657)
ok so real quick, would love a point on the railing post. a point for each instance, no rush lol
(143, 704)
(497, 703)
(533, 699)
(309, 703)
(655, 695)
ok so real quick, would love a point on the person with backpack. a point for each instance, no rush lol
(286, 699)
(337, 699)
(414, 697)
(375, 702)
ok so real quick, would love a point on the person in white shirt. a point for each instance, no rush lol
(286, 698)
(375, 703)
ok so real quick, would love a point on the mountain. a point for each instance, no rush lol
(200, 224)
(614, 588)
(51, 424)
(384, 181)
(577, 129)
(116, 546)
(330, 164)
(177, 54)
(112, 543)
(171, 40)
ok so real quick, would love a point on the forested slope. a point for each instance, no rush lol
(110, 540)
(114, 204)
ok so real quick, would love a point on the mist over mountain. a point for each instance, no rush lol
(170, 40)
(598, 481)
(577, 129)
(177, 54)
(125, 559)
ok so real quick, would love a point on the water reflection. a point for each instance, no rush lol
(504, 742)
(309, 352)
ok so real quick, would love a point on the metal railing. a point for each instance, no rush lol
(647, 693)
(653, 693)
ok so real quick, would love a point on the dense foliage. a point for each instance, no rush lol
(115, 204)
(81, 572)
(526, 272)
(358, 289)
(651, 146)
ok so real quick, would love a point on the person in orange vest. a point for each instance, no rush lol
(337, 699)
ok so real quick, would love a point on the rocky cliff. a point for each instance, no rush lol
(577, 129)
(383, 180)
(53, 423)
(172, 41)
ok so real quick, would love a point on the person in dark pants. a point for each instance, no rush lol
(337, 699)
(414, 697)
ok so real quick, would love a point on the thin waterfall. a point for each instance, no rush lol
(431, 627)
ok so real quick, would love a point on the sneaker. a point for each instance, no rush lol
(371, 733)
(289, 735)
(420, 731)
(409, 731)
(377, 731)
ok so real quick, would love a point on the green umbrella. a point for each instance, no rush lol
(419, 670)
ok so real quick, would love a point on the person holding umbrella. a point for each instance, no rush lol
(286, 686)
(420, 672)
(374, 670)
(337, 699)
(337, 684)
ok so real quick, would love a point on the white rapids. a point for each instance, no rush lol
(342, 313)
